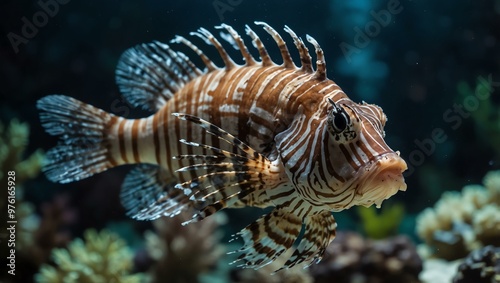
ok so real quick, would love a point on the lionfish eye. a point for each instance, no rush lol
(338, 118)
(340, 122)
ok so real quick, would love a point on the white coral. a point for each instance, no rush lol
(451, 208)
(476, 207)
(486, 222)
(427, 223)
(473, 198)
(492, 182)
(102, 258)
(437, 270)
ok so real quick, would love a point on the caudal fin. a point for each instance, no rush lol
(83, 149)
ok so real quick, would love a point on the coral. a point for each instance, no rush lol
(351, 258)
(381, 225)
(13, 142)
(442, 229)
(103, 257)
(182, 253)
(36, 236)
(462, 222)
(480, 266)
(492, 183)
(486, 225)
(297, 274)
(438, 270)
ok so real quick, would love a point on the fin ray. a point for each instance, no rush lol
(249, 60)
(285, 55)
(268, 238)
(148, 75)
(319, 233)
(148, 193)
(257, 43)
(82, 150)
(223, 178)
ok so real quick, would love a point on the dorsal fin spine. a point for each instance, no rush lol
(257, 43)
(150, 74)
(320, 73)
(249, 60)
(208, 63)
(228, 62)
(305, 57)
(287, 59)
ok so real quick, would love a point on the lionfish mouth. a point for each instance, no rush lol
(380, 179)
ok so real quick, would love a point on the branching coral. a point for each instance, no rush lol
(103, 257)
(182, 253)
(462, 222)
(13, 142)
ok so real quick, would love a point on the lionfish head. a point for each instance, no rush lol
(371, 171)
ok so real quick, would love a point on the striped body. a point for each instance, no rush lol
(256, 108)
(258, 134)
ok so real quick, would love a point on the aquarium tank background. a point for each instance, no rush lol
(433, 66)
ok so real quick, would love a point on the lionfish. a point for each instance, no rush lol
(260, 134)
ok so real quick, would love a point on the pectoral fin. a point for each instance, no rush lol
(319, 232)
(224, 178)
(273, 234)
(268, 237)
